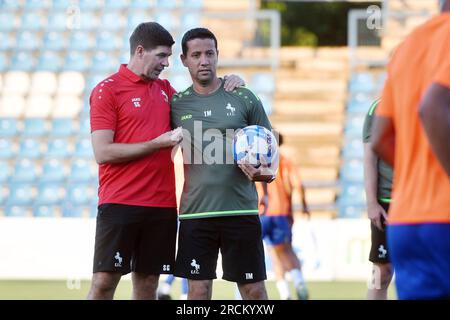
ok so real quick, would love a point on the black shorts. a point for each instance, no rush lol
(135, 238)
(240, 244)
(379, 251)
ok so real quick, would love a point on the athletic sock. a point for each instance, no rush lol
(283, 289)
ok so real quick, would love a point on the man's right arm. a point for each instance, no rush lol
(107, 151)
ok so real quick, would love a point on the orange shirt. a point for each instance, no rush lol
(280, 190)
(421, 190)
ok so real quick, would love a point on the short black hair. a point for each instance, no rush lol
(150, 35)
(196, 33)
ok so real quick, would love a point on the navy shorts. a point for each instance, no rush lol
(134, 238)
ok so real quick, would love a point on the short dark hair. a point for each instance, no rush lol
(196, 33)
(150, 35)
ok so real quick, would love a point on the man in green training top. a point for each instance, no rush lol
(378, 185)
(219, 203)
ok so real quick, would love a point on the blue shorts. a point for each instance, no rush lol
(420, 255)
(276, 229)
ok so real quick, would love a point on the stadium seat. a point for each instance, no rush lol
(102, 62)
(352, 171)
(58, 149)
(350, 211)
(190, 20)
(10, 4)
(23, 61)
(112, 20)
(80, 41)
(12, 105)
(30, 148)
(61, 4)
(25, 170)
(52, 171)
(72, 211)
(353, 148)
(37, 4)
(166, 19)
(7, 149)
(55, 41)
(71, 83)
(170, 4)
(62, 127)
(117, 4)
(135, 17)
(76, 61)
(57, 20)
(79, 194)
(20, 194)
(362, 82)
(90, 4)
(43, 82)
(38, 106)
(5, 172)
(8, 127)
(4, 62)
(28, 40)
(16, 82)
(267, 103)
(180, 81)
(34, 127)
(8, 21)
(107, 41)
(3, 195)
(49, 61)
(7, 41)
(49, 194)
(83, 149)
(141, 4)
(32, 20)
(354, 126)
(81, 171)
(66, 106)
(16, 211)
(193, 4)
(89, 21)
(44, 211)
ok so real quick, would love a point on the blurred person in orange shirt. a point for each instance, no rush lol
(411, 132)
(277, 220)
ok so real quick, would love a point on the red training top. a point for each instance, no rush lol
(136, 110)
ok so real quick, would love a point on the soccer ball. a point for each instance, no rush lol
(256, 145)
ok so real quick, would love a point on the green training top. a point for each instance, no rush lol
(214, 185)
(385, 173)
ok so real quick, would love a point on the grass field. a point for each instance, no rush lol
(60, 290)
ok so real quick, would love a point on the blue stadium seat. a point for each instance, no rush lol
(28, 40)
(193, 4)
(61, 4)
(37, 4)
(94, 79)
(3, 195)
(25, 170)
(7, 42)
(141, 4)
(83, 149)
(107, 41)
(170, 4)
(85, 127)
(32, 20)
(30, 148)
(7, 149)
(353, 149)
(117, 4)
(352, 200)
(80, 41)
(102, 62)
(53, 171)
(48, 194)
(79, 194)
(57, 21)
(58, 149)
(62, 127)
(350, 211)
(16, 211)
(44, 211)
(112, 20)
(90, 4)
(10, 4)
(34, 127)
(22, 61)
(76, 61)
(190, 20)
(354, 126)
(267, 103)
(72, 211)
(54, 41)
(180, 81)
(7, 21)
(5, 172)
(166, 19)
(8, 127)
(20, 194)
(49, 61)
(89, 21)
(352, 171)
(135, 17)
(81, 171)
(362, 82)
